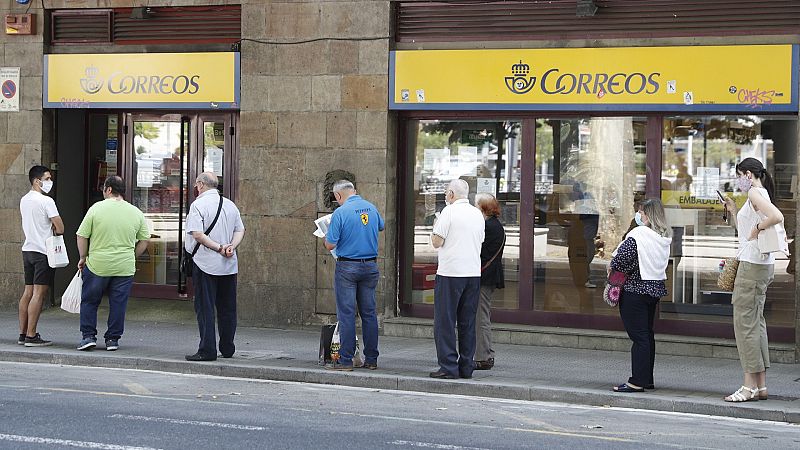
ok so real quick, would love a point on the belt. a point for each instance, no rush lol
(342, 258)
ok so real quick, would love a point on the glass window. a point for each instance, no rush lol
(699, 156)
(487, 154)
(589, 174)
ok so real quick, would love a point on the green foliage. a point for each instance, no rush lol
(146, 130)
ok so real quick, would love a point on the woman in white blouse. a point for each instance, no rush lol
(755, 273)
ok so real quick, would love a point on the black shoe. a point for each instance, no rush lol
(21, 340)
(199, 357)
(650, 386)
(466, 376)
(36, 341)
(370, 366)
(484, 365)
(227, 356)
(624, 387)
(336, 365)
(442, 374)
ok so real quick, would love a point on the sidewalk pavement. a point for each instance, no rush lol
(684, 384)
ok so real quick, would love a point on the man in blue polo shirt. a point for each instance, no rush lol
(353, 232)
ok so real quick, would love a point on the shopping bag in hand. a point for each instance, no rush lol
(56, 252)
(71, 300)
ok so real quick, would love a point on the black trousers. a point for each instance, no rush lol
(215, 293)
(638, 312)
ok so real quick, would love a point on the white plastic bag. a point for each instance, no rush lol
(71, 300)
(56, 252)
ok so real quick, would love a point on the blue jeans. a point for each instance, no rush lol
(94, 287)
(215, 293)
(355, 284)
(455, 304)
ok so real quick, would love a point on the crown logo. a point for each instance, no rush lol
(91, 84)
(519, 82)
(520, 69)
(92, 72)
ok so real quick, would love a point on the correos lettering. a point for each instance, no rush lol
(119, 83)
(555, 82)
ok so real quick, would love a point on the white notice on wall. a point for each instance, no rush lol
(468, 160)
(706, 183)
(436, 160)
(9, 88)
(213, 160)
(144, 174)
(487, 185)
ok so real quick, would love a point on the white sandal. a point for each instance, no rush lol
(743, 394)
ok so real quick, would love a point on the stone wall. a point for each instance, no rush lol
(308, 108)
(21, 145)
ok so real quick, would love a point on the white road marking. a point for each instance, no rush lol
(120, 394)
(188, 422)
(137, 388)
(492, 427)
(67, 442)
(432, 445)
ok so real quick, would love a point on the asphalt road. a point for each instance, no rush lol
(61, 407)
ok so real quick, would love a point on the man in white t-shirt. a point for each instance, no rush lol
(458, 235)
(40, 220)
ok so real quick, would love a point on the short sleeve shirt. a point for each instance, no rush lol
(201, 214)
(354, 229)
(36, 209)
(113, 227)
(462, 227)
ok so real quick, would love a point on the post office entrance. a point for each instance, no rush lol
(158, 154)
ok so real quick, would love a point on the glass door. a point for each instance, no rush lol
(162, 157)
(157, 185)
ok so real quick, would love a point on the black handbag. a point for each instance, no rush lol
(187, 263)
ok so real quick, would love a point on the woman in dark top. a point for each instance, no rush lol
(643, 256)
(491, 278)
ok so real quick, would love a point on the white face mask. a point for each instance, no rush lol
(47, 185)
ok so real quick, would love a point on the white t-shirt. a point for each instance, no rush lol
(462, 226)
(36, 210)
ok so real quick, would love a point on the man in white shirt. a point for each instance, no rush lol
(458, 235)
(215, 267)
(40, 219)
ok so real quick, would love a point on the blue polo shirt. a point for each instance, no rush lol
(354, 229)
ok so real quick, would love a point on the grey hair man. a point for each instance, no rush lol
(353, 233)
(215, 266)
(458, 235)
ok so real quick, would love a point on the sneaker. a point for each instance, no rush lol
(87, 343)
(112, 344)
(590, 285)
(21, 340)
(338, 366)
(36, 341)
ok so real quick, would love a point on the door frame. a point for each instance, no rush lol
(194, 166)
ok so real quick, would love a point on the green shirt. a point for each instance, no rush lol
(113, 227)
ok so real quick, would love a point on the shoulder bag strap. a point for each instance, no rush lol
(489, 263)
(210, 227)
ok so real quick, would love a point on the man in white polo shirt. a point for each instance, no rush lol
(40, 219)
(458, 235)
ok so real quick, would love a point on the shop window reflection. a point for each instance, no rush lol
(699, 157)
(589, 174)
(488, 156)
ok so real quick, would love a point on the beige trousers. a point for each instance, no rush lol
(749, 326)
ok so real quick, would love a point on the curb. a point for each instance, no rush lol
(360, 379)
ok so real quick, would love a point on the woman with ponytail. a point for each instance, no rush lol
(755, 273)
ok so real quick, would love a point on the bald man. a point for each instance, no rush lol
(215, 266)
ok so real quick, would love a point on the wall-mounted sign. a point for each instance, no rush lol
(142, 80)
(744, 78)
(9, 89)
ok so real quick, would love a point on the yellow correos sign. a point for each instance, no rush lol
(686, 79)
(142, 80)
